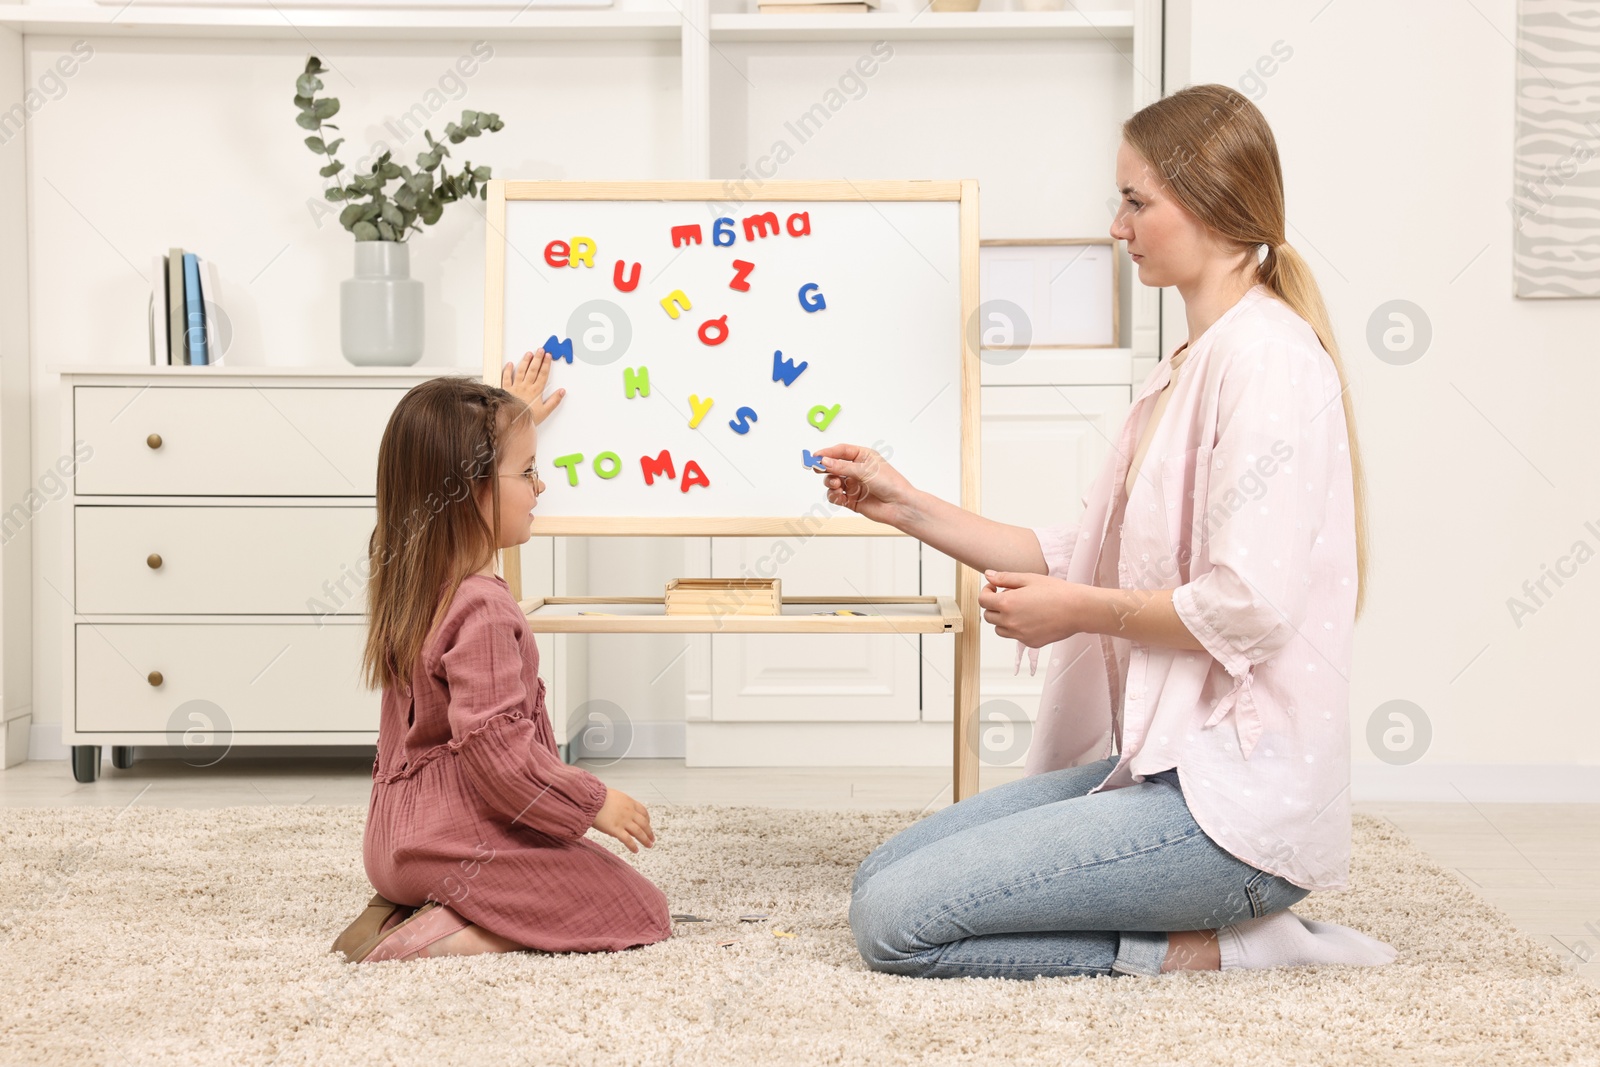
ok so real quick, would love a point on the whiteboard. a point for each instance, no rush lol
(885, 349)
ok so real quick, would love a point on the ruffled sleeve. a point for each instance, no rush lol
(1265, 501)
(493, 731)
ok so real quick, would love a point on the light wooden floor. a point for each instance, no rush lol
(1540, 863)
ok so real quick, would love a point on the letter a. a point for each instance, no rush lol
(693, 475)
(824, 414)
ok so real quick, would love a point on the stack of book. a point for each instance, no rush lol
(820, 7)
(181, 330)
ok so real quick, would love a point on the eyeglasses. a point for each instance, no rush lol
(531, 476)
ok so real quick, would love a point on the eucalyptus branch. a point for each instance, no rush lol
(420, 199)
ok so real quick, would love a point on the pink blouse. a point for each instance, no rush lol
(1244, 508)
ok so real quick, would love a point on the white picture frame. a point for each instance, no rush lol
(1067, 289)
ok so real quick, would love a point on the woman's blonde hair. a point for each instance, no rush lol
(1215, 153)
(441, 444)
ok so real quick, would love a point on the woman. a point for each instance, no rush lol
(1199, 617)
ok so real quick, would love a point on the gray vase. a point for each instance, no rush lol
(380, 309)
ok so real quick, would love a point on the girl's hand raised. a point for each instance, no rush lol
(625, 819)
(527, 381)
(862, 480)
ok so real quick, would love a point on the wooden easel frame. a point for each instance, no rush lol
(957, 616)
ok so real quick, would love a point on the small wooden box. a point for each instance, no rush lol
(724, 596)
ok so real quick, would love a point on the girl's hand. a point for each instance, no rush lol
(527, 381)
(625, 819)
(862, 480)
(1036, 609)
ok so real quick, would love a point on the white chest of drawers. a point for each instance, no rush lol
(216, 556)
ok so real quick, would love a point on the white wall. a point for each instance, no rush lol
(155, 143)
(1395, 126)
(1394, 123)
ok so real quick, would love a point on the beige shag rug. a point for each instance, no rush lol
(189, 936)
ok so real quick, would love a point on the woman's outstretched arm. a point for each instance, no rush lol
(982, 544)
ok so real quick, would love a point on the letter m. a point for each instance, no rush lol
(653, 468)
(756, 225)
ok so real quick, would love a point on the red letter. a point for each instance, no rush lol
(693, 475)
(662, 464)
(625, 286)
(719, 326)
(756, 225)
(805, 227)
(742, 271)
(682, 235)
(556, 252)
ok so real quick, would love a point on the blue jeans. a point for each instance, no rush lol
(1037, 878)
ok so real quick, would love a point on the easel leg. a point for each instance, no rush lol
(966, 685)
(511, 569)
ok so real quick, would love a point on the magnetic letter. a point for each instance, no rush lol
(741, 271)
(816, 301)
(682, 235)
(756, 225)
(676, 301)
(558, 349)
(720, 229)
(784, 370)
(719, 326)
(555, 253)
(743, 419)
(693, 475)
(637, 382)
(625, 286)
(571, 464)
(804, 229)
(699, 408)
(611, 457)
(582, 251)
(808, 460)
(824, 413)
(662, 464)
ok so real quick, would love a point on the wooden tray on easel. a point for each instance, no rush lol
(725, 596)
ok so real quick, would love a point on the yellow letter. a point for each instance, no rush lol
(675, 301)
(699, 409)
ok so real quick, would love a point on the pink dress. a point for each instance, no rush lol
(471, 805)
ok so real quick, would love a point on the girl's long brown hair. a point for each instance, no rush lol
(441, 444)
(1215, 153)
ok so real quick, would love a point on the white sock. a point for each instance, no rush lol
(1283, 939)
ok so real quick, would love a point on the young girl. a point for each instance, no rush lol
(475, 831)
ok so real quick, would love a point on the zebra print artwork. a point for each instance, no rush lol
(1555, 202)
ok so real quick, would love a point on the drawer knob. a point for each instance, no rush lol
(155, 678)
(154, 440)
(154, 560)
